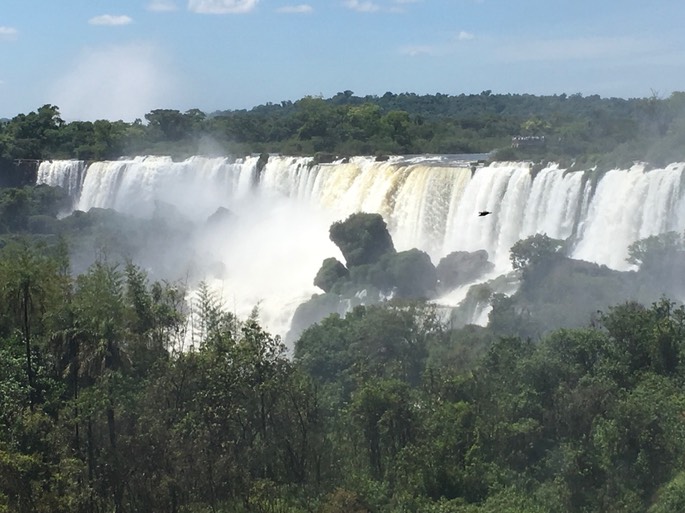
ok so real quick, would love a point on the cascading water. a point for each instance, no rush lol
(627, 206)
(68, 174)
(195, 186)
(283, 211)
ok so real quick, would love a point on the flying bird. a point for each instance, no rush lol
(483, 213)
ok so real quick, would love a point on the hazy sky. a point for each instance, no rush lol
(118, 59)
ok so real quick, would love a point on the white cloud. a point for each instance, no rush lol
(109, 19)
(162, 6)
(8, 33)
(392, 6)
(221, 6)
(416, 50)
(360, 6)
(438, 49)
(296, 9)
(118, 82)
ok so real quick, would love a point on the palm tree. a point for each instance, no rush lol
(30, 282)
(100, 320)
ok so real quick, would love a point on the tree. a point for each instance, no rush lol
(671, 496)
(535, 127)
(638, 441)
(212, 325)
(36, 134)
(30, 281)
(169, 124)
(364, 121)
(362, 238)
(315, 117)
(397, 124)
(661, 261)
(646, 338)
(383, 413)
(15, 209)
(100, 313)
(330, 273)
(534, 251)
(648, 251)
(411, 273)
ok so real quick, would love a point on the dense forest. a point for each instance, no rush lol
(121, 392)
(565, 128)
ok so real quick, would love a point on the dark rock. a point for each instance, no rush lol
(220, 216)
(409, 274)
(330, 273)
(362, 238)
(461, 267)
(315, 310)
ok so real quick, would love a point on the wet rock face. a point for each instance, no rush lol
(461, 267)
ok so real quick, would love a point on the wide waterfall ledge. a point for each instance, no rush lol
(267, 251)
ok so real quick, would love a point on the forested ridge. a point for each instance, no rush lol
(568, 128)
(118, 393)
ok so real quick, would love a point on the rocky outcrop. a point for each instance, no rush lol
(362, 238)
(461, 267)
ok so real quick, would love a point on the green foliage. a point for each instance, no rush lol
(330, 273)
(407, 274)
(461, 267)
(362, 238)
(605, 131)
(560, 292)
(507, 318)
(384, 415)
(661, 263)
(534, 251)
(648, 251)
(13, 384)
(30, 208)
(671, 496)
(14, 210)
(103, 407)
(370, 341)
(379, 272)
(411, 273)
(344, 501)
(34, 135)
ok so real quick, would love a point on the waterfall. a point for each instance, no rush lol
(68, 174)
(629, 205)
(196, 186)
(283, 211)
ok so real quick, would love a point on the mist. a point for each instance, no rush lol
(258, 237)
(204, 219)
(121, 82)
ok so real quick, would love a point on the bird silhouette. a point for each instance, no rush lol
(483, 213)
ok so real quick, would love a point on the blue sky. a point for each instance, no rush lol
(118, 59)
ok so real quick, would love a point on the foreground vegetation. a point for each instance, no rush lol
(587, 130)
(117, 393)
